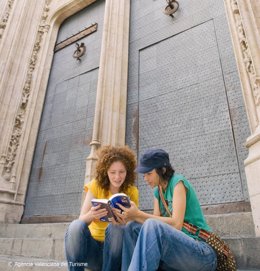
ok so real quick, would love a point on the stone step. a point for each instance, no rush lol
(226, 225)
(44, 230)
(46, 241)
(233, 224)
(246, 251)
(33, 247)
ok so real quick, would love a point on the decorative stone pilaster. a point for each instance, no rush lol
(11, 161)
(8, 159)
(246, 41)
(110, 111)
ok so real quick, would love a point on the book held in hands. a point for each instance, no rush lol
(110, 203)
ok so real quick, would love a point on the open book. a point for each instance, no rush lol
(110, 203)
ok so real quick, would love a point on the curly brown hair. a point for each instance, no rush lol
(110, 154)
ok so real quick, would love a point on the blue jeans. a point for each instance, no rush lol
(82, 250)
(156, 245)
(112, 255)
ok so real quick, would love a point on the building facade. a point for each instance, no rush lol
(76, 75)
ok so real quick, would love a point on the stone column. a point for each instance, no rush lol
(20, 41)
(244, 27)
(110, 111)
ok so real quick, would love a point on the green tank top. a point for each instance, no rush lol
(193, 213)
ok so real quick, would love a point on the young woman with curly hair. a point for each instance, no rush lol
(84, 239)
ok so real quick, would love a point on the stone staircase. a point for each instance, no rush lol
(238, 231)
(32, 247)
(40, 247)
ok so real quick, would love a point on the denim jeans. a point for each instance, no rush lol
(112, 255)
(81, 249)
(156, 245)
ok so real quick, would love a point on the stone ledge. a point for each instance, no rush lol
(246, 251)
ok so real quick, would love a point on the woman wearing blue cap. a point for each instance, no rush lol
(161, 241)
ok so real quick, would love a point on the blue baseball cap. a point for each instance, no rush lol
(151, 159)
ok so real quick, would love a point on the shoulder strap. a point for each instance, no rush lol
(163, 201)
(189, 227)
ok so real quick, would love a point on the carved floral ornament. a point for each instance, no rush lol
(5, 17)
(246, 54)
(256, 90)
(7, 160)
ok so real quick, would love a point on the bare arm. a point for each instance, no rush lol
(179, 207)
(156, 208)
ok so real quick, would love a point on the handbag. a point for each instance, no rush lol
(225, 257)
